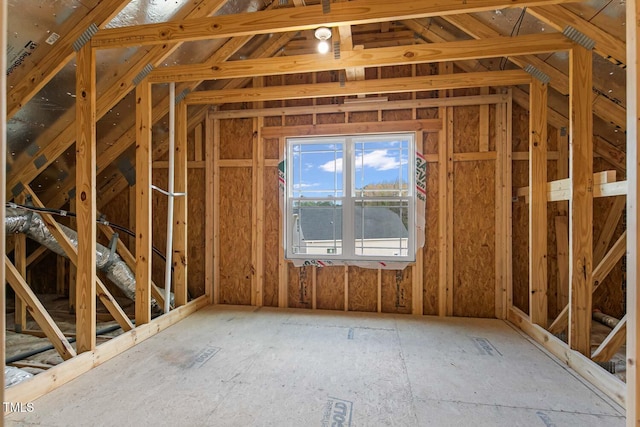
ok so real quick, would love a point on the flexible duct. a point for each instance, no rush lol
(31, 224)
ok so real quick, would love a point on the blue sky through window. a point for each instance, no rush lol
(317, 168)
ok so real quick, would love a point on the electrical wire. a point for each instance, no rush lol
(514, 31)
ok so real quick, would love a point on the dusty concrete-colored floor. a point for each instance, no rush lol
(241, 366)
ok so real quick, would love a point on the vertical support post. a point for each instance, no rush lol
(581, 203)
(417, 291)
(501, 205)
(283, 295)
(20, 257)
(562, 222)
(538, 203)
(209, 208)
(171, 180)
(180, 219)
(483, 144)
(61, 274)
(143, 203)
(3, 172)
(86, 198)
(508, 212)
(445, 186)
(346, 288)
(633, 197)
(257, 214)
(216, 211)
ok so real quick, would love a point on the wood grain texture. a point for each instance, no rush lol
(143, 204)
(382, 86)
(474, 239)
(538, 203)
(581, 204)
(86, 199)
(363, 289)
(235, 236)
(330, 288)
(294, 19)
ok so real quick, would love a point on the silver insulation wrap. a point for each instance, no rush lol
(13, 376)
(31, 224)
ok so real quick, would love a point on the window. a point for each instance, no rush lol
(350, 198)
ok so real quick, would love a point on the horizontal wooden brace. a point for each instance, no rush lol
(295, 19)
(378, 105)
(493, 47)
(382, 86)
(426, 125)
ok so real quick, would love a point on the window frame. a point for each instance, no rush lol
(349, 200)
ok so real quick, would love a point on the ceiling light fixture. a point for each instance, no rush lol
(323, 34)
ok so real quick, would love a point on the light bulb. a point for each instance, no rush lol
(323, 46)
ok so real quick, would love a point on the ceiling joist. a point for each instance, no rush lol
(295, 19)
(386, 56)
(381, 86)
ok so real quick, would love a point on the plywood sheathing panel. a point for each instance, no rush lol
(396, 291)
(363, 116)
(235, 139)
(330, 288)
(271, 148)
(363, 289)
(196, 232)
(466, 133)
(474, 239)
(299, 286)
(271, 236)
(396, 71)
(235, 236)
(330, 118)
(430, 252)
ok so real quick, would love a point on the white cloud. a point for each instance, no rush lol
(302, 185)
(378, 160)
(332, 166)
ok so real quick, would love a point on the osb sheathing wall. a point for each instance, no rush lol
(473, 288)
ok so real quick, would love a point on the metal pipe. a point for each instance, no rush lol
(170, 189)
(605, 319)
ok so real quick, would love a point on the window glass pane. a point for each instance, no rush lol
(381, 167)
(317, 227)
(317, 170)
(380, 227)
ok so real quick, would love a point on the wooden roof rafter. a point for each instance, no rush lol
(54, 145)
(24, 84)
(608, 110)
(607, 45)
(57, 197)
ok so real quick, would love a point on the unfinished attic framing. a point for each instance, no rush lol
(517, 110)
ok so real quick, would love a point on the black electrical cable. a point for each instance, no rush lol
(61, 212)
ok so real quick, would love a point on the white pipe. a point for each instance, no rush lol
(172, 143)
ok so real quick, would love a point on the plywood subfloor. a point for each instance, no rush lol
(241, 366)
